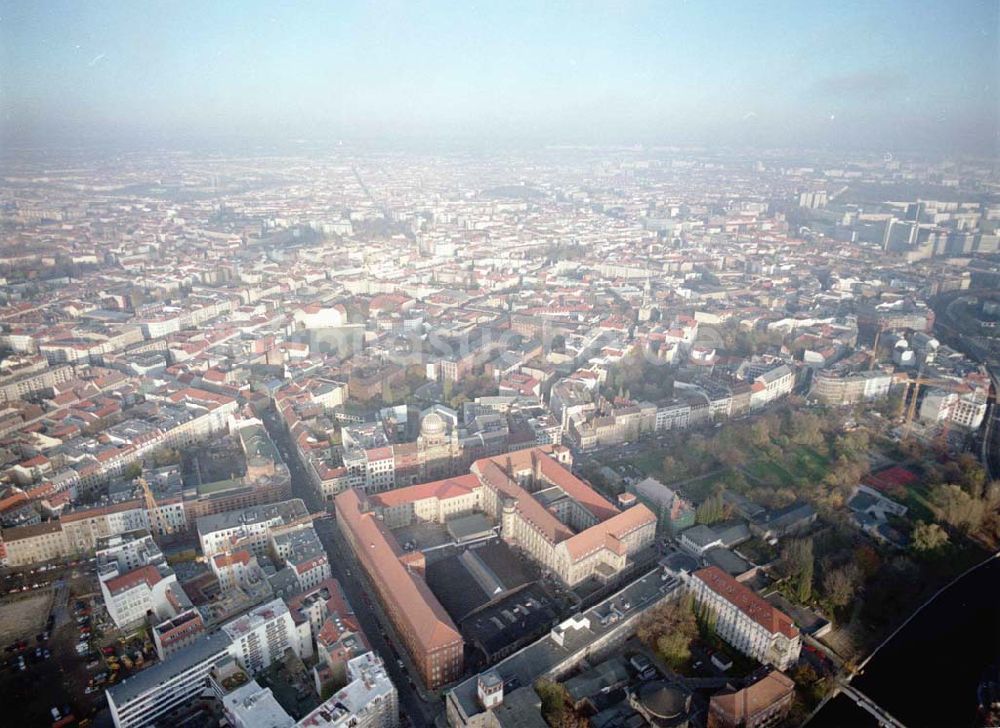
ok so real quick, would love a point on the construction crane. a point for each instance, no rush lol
(922, 381)
(152, 510)
(296, 522)
(878, 336)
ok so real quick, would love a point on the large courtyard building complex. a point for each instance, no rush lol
(563, 523)
(431, 637)
(541, 508)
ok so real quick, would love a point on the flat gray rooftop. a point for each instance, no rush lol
(525, 666)
(287, 510)
(200, 650)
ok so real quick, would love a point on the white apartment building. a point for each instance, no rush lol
(126, 552)
(169, 517)
(673, 416)
(129, 596)
(84, 528)
(745, 620)
(33, 378)
(254, 640)
(967, 410)
(136, 580)
(248, 528)
(380, 473)
(156, 328)
(771, 385)
(262, 635)
(33, 544)
(369, 700)
(251, 706)
(301, 550)
(148, 694)
(234, 569)
(312, 572)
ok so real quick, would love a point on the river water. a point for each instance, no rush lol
(928, 673)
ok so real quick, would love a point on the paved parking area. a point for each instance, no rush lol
(423, 535)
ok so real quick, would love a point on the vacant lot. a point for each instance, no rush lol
(25, 617)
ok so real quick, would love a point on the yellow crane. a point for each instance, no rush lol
(152, 510)
(922, 381)
(296, 522)
(878, 337)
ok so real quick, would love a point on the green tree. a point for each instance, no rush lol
(957, 508)
(807, 679)
(973, 474)
(839, 585)
(853, 444)
(711, 510)
(669, 629)
(867, 560)
(556, 708)
(760, 432)
(805, 428)
(553, 697)
(928, 537)
(166, 456)
(672, 469)
(798, 564)
(846, 471)
(416, 375)
(674, 648)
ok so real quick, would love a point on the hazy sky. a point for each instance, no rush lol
(894, 74)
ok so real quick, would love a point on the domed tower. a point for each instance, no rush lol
(434, 447)
(433, 430)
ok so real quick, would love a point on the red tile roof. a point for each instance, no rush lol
(13, 501)
(747, 601)
(745, 704)
(145, 574)
(492, 471)
(550, 527)
(582, 493)
(429, 623)
(610, 533)
(441, 489)
(379, 453)
(224, 560)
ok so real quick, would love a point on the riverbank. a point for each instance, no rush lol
(927, 673)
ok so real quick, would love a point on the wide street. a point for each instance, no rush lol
(345, 570)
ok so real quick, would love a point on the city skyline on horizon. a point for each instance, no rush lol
(894, 75)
